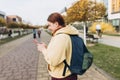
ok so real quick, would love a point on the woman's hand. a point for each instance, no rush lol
(41, 46)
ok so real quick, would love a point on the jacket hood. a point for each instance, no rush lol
(67, 30)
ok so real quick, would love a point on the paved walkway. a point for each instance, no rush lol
(19, 61)
(110, 40)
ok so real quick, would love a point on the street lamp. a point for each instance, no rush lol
(95, 9)
(84, 33)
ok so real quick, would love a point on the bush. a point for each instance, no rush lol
(13, 25)
(105, 27)
(2, 22)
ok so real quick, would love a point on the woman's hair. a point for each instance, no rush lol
(56, 17)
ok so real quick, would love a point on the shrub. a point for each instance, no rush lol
(2, 22)
(105, 27)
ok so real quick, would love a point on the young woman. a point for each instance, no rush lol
(59, 48)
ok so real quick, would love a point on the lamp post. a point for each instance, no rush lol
(84, 33)
(95, 10)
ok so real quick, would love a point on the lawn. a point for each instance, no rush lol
(107, 58)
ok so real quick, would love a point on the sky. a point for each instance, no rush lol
(35, 12)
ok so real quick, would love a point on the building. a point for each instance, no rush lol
(114, 13)
(2, 14)
(13, 18)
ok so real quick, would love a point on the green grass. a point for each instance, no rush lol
(107, 58)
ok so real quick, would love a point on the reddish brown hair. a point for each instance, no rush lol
(56, 17)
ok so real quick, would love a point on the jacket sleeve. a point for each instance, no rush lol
(56, 51)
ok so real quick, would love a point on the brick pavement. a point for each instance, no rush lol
(23, 62)
(20, 62)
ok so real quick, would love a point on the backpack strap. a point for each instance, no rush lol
(65, 67)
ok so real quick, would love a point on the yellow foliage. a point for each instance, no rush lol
(2, 22)
(105, 27)
(85, 10)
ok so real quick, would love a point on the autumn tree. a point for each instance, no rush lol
(85, 10)
(2, 22)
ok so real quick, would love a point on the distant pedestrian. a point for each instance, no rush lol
(86, 30)
(10, 33)
(98, 30)
(34, 33)
(39, 33)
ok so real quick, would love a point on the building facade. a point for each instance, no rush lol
(13, 18)
(2, 14)
(114, 13)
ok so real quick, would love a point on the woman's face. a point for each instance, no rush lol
(53, 26)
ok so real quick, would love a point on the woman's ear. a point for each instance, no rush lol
(56, 23)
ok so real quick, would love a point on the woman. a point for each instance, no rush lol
(59, 48)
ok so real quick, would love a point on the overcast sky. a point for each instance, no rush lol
(33, 11)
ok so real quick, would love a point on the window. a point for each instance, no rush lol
(115, 6)
(14, 19)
